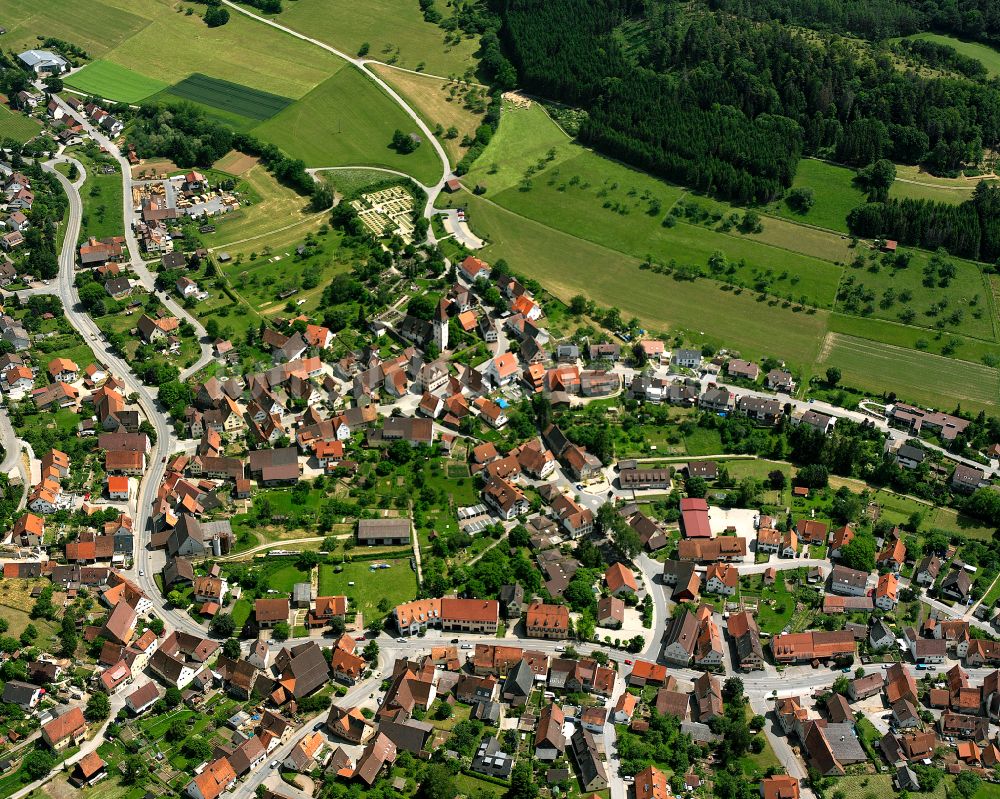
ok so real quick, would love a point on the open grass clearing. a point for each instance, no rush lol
(922, 377)
(94, 25)
(348, 120)
(988, 56)
(834, 193)
(880, 786)
(174, 45)
(567, 265)
(439, 102)
(276, 206)
(115, 82)
(397, 584)
(101, 197)
(395, 31)
(15, 125)
(236, 163)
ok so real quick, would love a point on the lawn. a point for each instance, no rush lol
(173, 45)
(439, 102)
(880, 786)
(922, 377)
(95, 25)
(241, 611)
(396, 584)
(282, 579)
(101, 196)
(473, 786)
(348, 120)
(395, 31)
(834, 193)
(114, 82)
(567, 265)
(988, 56)
(15, 125)
(276, 207)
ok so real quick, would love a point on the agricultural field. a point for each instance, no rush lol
(834, 192)
(395, 31)
(440, 102)
(96, 26)
(917, 338)
(348, 120)
(273, 207)
(233, 104)
(988, 56)
(347, 180)
(14, 125)
(703, 309)
(397, 584)
(106, 79)
(922, 377)
(173, 45)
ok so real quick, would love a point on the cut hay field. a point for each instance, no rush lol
(439, 102)
(115, 82)
(918, 376)
(332, 126)
(395, 31)
(94, 25)
(14, 125)
(912, 337)
(236, 163)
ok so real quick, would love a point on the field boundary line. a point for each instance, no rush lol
(271, 232)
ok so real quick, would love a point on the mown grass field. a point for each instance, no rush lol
(833, 190)
(395, 30)
(398, 584)
(988, 56)
(348, 120)
(275, 206)
(101, 196)
(95, 25)
(115, 82)
(922, 377)
(567, 265)
(438, 102)
(14, 125)
(173, 45)
(911, 337)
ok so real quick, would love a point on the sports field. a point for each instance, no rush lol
(439, 102)
(395, 31)
(14, 125)
(834, 193)
(106, 79)
(333, 126)
(918, 376)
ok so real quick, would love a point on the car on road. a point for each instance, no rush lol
(560, 649)
(142, 573)
(401, 640)
(628, 662)
(454, 640)
(466, 646)
(274, 764)
(845, 671)
(164, 459)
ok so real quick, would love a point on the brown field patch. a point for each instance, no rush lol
(236, 163)
(152, 168)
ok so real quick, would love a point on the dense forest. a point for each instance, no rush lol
(695, 94)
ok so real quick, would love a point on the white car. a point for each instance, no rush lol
(401, 640)
(142, 573)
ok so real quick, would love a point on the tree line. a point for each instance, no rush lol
(726, 107)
